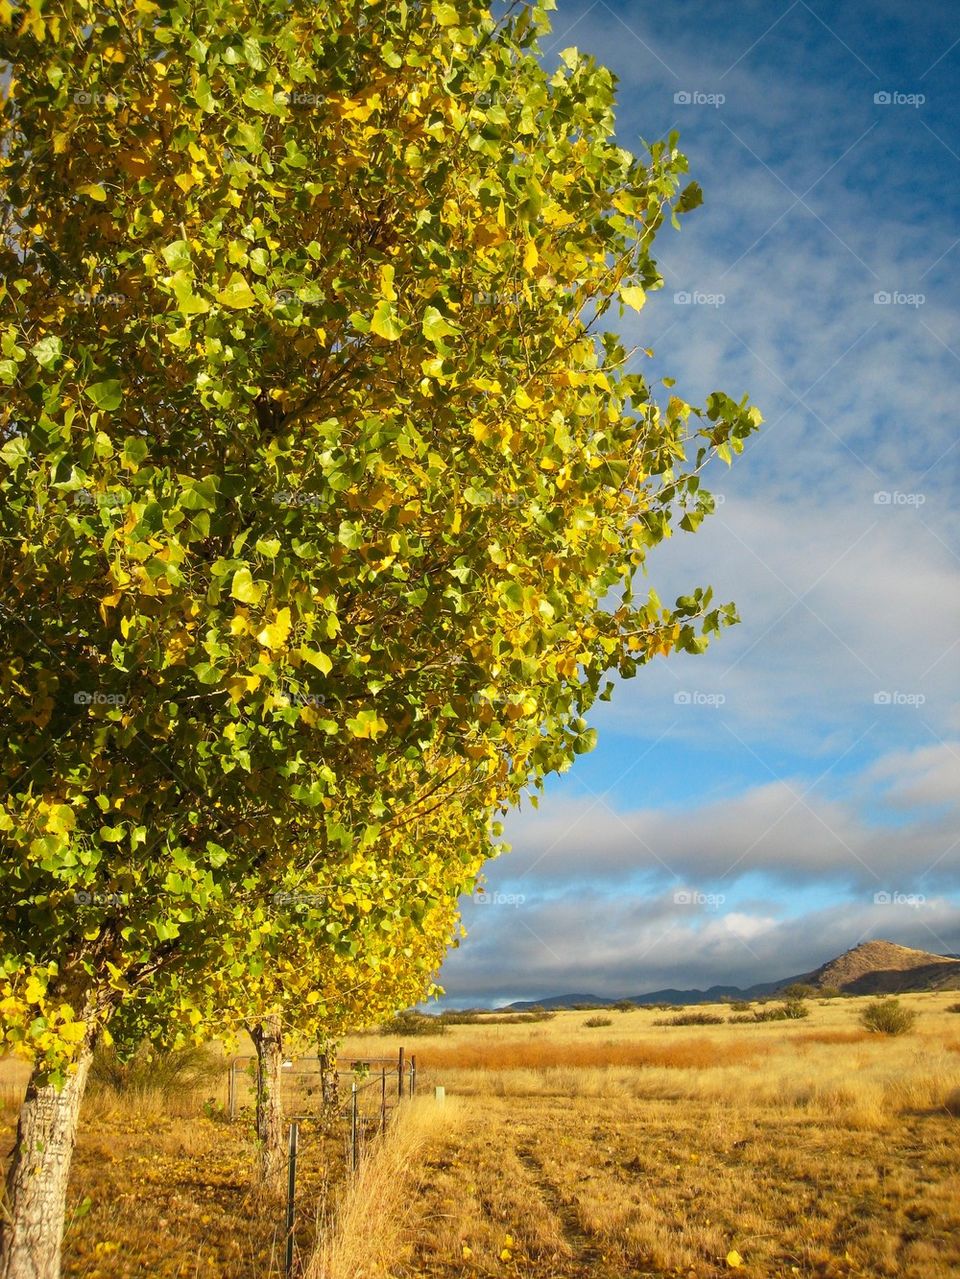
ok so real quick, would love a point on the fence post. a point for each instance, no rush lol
(353, 1126)
(383, 1097)
(232, 1089)
(291, 1195)
(413, 1074)
(400, 1076)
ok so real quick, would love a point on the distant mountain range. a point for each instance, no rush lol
(872, 968)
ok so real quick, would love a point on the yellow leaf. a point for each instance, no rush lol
(236, 293)
(530, 257)
(521, 398)
(94, 190)
(734, 1260)
(634, 297)
(60, 819)
(275, 635)
(35, 991)
(386, 283)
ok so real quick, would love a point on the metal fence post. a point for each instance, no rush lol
(413, 1074)
(232, 1090)
(383, 1098)
(400, 1076)
(353, 1127)
(291, 1195)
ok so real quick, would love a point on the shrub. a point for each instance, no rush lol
(953, 1008)
(888, 1017)
(169, 1072)
(691, 1019)
(599, 1021)
(479, 1018)
(830, 992)
(741, 1019)
(798, 990)
(625, 1006)
(413, 1023)
(740, 1005)
(795, 1009)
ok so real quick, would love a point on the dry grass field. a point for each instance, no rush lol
(790, 1148)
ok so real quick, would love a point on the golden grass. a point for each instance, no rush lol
(378, 1211)
(813, 1148)
(697, 1053)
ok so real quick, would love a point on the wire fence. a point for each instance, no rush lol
(358, 1094)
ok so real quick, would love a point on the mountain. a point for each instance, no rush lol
(871, 968)
(883, 967)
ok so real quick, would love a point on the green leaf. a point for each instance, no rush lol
(244, 588)
(106, 395)
(177, 255)
(385, 321)
(317, 659)
(47, 351)
(435, 327)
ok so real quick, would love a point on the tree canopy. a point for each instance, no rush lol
(323, 491)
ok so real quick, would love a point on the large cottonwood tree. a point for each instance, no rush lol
(322, 490)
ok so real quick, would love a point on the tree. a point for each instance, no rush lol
(323, 495)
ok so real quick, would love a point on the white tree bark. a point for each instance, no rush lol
(268, 1041)
(36, 1188)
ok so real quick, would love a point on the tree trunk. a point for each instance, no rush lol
(36, 1190)
(329, 1081)
(268, 1042)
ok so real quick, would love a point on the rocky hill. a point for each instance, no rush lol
(883, 967)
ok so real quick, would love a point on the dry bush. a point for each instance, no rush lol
(413, 1023)
(888, 1017)
(594, 1022)
(166, 1074)
(691, 1019)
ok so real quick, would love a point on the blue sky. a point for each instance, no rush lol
(744, 809)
